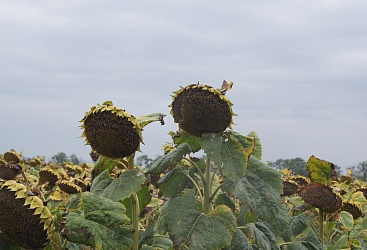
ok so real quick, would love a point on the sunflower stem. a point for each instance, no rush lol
(321, 225)
(207, 187)
(135, 220)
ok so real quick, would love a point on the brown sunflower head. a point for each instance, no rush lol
(353, 209)
(321, 196)
(12, 156)
(24, 219)
(289, 187)
(300, 180)
(9, 171)
(111, 132)
(68, 186)
(48, 175)
(200, 109)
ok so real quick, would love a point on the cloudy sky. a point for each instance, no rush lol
(299, 70)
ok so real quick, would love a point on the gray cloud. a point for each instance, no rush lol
(298, 68)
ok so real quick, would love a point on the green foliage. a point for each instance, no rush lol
(102, 224)
(124, 186)
(319, 170)
(188, 226)
(172, 157)
(184, 137)
(297, 165)
(147, 119)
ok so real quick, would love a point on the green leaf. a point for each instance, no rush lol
(297, 225)
(162, 242)
(187, 226)
(184, 137)
(247, 142)
(258, 146)
(144, 197)
(311, 241)
(260, 239)
(211, 143)
(102, 224)
(319, 170)
(147, 119)
(240, 241)
(346, 219)
(358, 198)
(268, 234)
(172, 157)
(103, 163)
(260, 197)
(234, 158)
(223, 199)
(268, 174)
(124, 186)
(173, 183)
(296, 246)
(225, 215)
(101, 182)
(281, 222)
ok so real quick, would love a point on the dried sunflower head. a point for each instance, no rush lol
(68, 187)
(12, 156)
(289, 187)
(9, 171)
(111, 132)
(300, 180)
(321, 196)
(353, 209)
(47, 174)
(200, 109)
(24, 219)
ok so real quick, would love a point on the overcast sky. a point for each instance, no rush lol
(299, 70)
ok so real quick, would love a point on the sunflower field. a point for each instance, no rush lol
(228, 199)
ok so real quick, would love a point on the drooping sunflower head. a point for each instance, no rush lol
(353, 209)
(200, 109)
(9, 171)
(12, 156)
(111, 131)
(68, 186)
(24, 218)
(321, 196)
(48, 175)
(289, 187)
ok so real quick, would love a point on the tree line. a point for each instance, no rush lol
(297, 165)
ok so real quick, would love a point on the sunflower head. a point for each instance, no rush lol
(24, 219)
(12, 156)
(111, 132)
(289, 187)
(321, 196)
(200, 109)
(68, 186)
(48, 175)
(353, 209)
(9, 171)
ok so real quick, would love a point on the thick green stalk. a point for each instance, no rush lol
(321, 225)
(135, 208)
(135, 220)
(207, 187)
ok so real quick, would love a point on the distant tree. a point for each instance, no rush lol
(145, 161)
(74, 159)
(297, 165)
(359, 171)
(60, 157)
